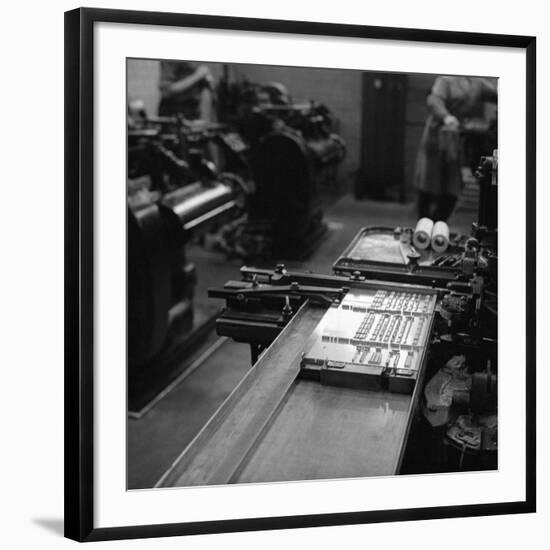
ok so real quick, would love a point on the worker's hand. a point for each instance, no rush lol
(204, 73)
(451, 122)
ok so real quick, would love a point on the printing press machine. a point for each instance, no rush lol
(176, 195)
(372, 370)
(295, 153)
(190, 181)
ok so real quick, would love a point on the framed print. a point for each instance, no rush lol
(300, 274)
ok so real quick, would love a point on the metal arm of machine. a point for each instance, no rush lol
(326, 296)
(259, 306)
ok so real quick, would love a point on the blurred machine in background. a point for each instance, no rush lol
(252, 179)
(173, 151)
(294, 154)
(176, 193)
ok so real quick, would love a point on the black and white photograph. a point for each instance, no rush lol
(312, 273)
(300, 282)
(274, 275)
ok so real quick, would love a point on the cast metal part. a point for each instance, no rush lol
(395, 324)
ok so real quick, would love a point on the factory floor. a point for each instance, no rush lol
(157, 438)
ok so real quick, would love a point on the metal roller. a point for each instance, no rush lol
(161, 280)
(440, 237)
(422, 236)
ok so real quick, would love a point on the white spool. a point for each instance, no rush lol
(423, 233)
(440, 237)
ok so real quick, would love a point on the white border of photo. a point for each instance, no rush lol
(114, 505)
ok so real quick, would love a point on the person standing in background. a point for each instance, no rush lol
(455, 102)
(186, 89)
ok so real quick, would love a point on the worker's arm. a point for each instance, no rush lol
(206, 105)
(437, 103)
(168, 89)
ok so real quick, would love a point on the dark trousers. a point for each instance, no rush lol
(434, 207)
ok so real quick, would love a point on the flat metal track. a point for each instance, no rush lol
(216, 453)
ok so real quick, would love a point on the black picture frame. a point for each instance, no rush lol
(79, 269)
